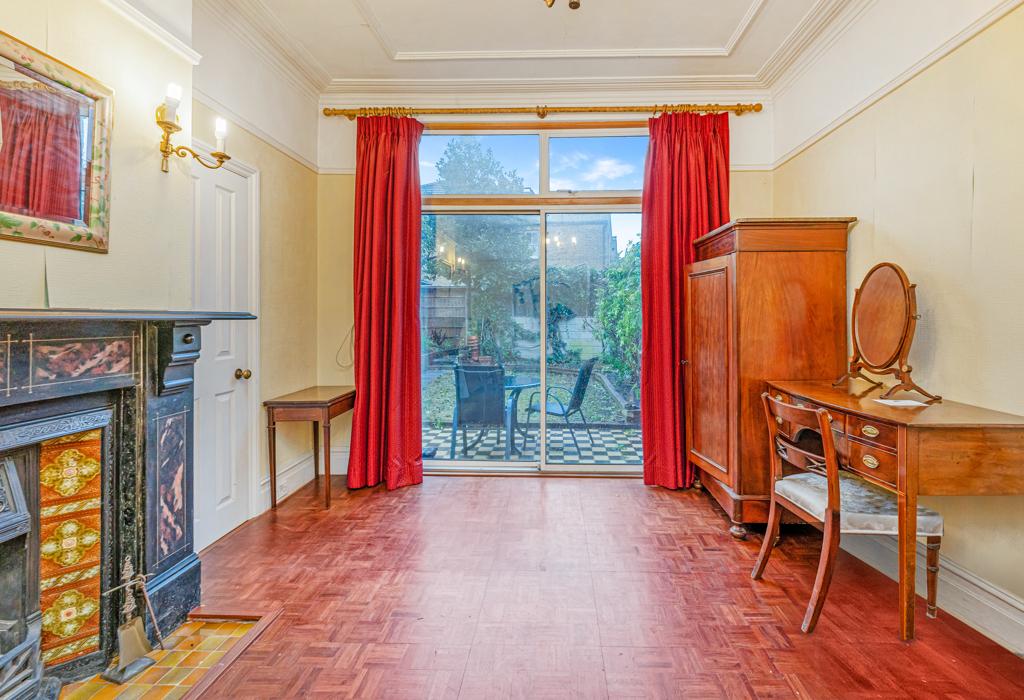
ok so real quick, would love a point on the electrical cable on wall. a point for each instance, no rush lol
(347, 343)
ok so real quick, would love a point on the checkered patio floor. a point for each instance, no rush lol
(610, 446)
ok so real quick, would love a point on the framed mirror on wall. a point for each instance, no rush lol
(55, 127)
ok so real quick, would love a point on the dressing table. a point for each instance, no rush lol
(937, 449)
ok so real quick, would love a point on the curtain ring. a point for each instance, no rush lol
(542, 112)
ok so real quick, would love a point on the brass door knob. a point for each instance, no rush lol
(243, 374)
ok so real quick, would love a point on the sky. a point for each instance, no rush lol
(576, 163)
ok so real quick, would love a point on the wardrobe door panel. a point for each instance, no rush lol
(710, 372)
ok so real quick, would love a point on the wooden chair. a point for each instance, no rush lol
(822, 493)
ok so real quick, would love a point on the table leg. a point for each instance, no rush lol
(272, 444)
(509, 428)
(907, 552)
(327, 463)
(316, 450)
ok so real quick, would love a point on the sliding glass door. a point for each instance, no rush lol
(592, 367)
(530, 299)
(501, 291)
(481, 348)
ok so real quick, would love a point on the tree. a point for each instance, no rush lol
(499, 250)
(466, 168)
(618, 315)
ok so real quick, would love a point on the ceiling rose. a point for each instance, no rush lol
(573, 4)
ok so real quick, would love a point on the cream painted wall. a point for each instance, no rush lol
(750, 193)
(150, 211)
(933, 173)
(288, 276)
(335, 215)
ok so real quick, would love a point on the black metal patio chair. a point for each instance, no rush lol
(479, 404)
(555, 407)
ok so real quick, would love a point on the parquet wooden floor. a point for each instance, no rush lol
(477, 587)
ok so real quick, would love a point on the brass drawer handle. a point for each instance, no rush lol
(870, 462)
(870, 430)
(778, 397)
(778, 419)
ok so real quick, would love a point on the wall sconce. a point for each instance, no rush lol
(167, 119)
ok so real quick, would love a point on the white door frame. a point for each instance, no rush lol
(252, 177)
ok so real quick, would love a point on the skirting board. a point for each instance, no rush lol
(997, 614)
(294, 476)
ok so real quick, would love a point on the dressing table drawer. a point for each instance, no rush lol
(873, 431)
(872, 461)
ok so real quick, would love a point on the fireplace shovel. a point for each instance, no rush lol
(132, 643)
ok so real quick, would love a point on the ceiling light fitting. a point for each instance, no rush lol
(573, 4)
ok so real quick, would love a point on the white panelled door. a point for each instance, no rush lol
(223, 258)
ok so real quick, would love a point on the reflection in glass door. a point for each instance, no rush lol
(592, 339)
(480, 334)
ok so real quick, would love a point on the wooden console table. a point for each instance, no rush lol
(942, 449)
(318, 404)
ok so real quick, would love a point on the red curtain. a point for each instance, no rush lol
(41, 155)
(386, 423)
(686, 194)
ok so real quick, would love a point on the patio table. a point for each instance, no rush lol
(512, 415)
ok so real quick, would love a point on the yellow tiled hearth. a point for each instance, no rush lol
(191, 651)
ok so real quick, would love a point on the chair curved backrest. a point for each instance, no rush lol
(802, 437)
(479, 395)
(579, 389)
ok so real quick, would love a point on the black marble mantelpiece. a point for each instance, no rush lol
(131, 374)
(198, 317)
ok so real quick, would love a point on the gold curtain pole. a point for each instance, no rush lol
(539, 111)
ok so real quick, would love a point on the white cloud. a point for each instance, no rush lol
(605, 169)
(428, 171)
(570, 161)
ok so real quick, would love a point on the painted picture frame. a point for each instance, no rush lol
(90, 229)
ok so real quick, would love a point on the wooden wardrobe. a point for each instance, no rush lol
(765, 299)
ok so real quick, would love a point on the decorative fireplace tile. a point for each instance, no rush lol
(5, 365)
(70, 546)
(72, 360)
(171, 458)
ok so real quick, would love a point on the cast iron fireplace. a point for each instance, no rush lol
(95, 469)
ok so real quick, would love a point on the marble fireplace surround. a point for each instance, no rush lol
(124, 378)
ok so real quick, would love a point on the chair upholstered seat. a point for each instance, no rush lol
(864, 507)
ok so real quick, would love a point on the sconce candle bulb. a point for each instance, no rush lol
(171, 102)
(220, 132)
(168, 121)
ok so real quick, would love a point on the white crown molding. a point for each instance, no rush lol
(741, 29)
(946, 48)
(337, 171)
(821, 18)
(373, 23)
(254, 23)
(154, 29)
(375, 26)
(217, 106)
(492, 97)
(996, 613)
(813, 24)
(517, 54)
(462, 87)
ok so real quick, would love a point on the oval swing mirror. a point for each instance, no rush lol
(883, 323)
(881, 315)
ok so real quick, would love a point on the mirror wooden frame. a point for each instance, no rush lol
(93, 235)
(896, 364)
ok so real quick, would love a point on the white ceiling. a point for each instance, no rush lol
(343, 44)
